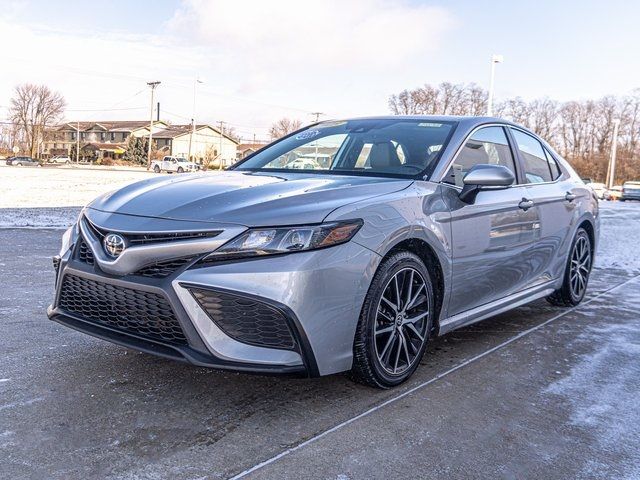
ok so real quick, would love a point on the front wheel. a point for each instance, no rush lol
(395, 322)
(577, 271)
(156, 169)
(180, 170)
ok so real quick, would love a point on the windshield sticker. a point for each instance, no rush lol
(432, 125)
(335, 123)
(307, 134)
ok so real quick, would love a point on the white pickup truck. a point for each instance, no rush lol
(174, 165)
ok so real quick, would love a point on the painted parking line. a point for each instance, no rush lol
(424, 384)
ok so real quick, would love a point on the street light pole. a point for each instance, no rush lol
(153, 86)
(220, 151)
(494, 59)
(612, 161)
(193, 117)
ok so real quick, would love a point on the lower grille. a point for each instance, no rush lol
(246, 320)
(84, 253)
(143, 313)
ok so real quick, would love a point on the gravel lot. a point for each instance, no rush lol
(539, 392)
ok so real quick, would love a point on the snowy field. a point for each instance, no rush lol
(51, 197)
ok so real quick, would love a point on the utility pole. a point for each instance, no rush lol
(494, 59)
(220, 151)
(317, 115)
(153, 86)
(611, 177)
(78, 143)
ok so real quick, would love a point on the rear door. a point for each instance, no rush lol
(556, 199)
(491, 238)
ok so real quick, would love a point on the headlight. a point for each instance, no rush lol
(271, 241)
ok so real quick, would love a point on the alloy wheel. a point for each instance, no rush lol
(580, 266)
(401, 321)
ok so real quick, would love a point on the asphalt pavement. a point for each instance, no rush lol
(539, 392)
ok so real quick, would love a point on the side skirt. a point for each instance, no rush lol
(496, 307)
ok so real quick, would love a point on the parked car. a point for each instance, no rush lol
(59, 159)
(22, 161)
(173, 165)
(419, 226)
(630, 191)
(613, 193)
(598, 189)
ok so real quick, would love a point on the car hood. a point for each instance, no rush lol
(245, 198)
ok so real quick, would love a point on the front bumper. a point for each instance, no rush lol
(319, 293)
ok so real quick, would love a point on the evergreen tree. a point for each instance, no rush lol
(136, 150)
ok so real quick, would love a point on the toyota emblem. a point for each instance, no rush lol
(114, 244)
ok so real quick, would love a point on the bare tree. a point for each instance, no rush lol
(283, 127)
(444, 99)
(34, 108)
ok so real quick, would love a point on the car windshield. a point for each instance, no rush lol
(378, 147)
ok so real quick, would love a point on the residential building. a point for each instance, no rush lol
(246, 149)
(204, 144)
(98, 139)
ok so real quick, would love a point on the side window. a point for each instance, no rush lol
(487, 145)
(553, 165)
(536, 165)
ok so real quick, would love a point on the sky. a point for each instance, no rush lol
(261, 60)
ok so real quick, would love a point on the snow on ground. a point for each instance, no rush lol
(612, 407)
(59, 186)
(618, 226)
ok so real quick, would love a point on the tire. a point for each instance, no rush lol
(576, 274)
(156, 169)
(401, 340)
(180, 170)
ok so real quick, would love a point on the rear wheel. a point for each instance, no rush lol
(576, 276)
(395, 322)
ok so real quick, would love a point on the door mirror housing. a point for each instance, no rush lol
(485, 177)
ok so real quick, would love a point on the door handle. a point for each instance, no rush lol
(570, 197)
(525, 204)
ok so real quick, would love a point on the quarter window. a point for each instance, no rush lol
(488, 145)
(536, 164)
(553, 165)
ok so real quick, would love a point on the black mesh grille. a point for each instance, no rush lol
(146, 314)
(84, 253)
(246, 320)
(163, 269)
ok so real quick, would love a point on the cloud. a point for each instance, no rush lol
(270, 40)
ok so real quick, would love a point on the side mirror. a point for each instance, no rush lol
(485, 177)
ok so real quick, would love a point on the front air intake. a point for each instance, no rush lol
(246, 320)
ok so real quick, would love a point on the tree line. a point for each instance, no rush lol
(581, 131)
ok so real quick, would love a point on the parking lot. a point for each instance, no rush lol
(539, 392)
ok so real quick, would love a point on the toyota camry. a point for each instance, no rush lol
(345, 246)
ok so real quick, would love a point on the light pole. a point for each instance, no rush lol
(611, 178)
(220, 151)
(153, 86)
(494, 59)
(193, 118)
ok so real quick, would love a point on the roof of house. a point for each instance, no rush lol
(243, 147)
(108, 125)
(173, 131)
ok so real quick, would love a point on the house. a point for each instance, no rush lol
(246, 149)
(103, 139)
(202, 144)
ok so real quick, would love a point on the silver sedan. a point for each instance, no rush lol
(399, 230)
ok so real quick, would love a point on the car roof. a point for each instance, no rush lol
(466, 120)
